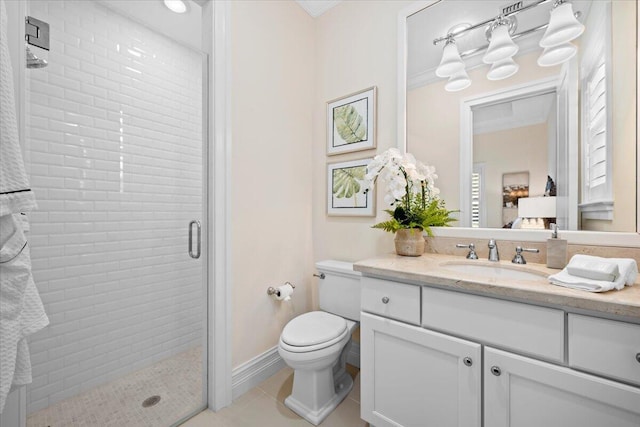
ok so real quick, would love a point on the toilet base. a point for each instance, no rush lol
(343, 386)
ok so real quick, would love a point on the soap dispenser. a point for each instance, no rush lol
(556, 250)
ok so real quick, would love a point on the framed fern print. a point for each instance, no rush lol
(351, 122)
(347, 193)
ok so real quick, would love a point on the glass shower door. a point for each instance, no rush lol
(114, 138)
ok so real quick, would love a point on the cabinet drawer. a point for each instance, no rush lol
(402, 300)
(520, 327)
(605, 347)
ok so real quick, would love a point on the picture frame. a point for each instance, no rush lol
(351, 122)
(346, 193)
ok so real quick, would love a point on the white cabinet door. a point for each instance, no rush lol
(523, 392)
(413, 377)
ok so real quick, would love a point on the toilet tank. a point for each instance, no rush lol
(339, 291)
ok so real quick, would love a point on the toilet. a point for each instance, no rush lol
(316, 344)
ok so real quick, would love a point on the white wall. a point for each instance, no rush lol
(114, 132)
(272, 95)
(356, 48)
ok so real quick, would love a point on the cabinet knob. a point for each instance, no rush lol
(467, 361)
(385, 300)
(496, 371)
(638, 357)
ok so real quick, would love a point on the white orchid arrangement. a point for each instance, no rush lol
(411, 191)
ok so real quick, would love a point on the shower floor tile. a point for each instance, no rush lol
(177, 380)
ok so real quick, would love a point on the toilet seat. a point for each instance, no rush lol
(313, 331)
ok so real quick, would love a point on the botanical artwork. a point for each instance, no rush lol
(351, 122)
(347, 191)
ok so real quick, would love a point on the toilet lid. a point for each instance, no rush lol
(313, 328)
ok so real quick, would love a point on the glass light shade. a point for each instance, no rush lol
(557, 54)
(451, 62)
(501, 46)
(458, 81)
(503, 69)
(563, 27)
(177, 6)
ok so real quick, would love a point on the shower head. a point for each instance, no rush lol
(33, 61)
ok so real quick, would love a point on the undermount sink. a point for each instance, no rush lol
(497, 271)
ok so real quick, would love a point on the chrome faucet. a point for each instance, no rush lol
(493, 251)
(518, 258)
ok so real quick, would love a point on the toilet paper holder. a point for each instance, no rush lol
(272, 291)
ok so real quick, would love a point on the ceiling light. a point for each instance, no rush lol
(458, 81)
(556, 55)
(501, 46)
(563, 26)
(451, 62)
(503, 69)
(177, 6)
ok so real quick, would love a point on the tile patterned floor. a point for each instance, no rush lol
(178, 380)
(263, 406)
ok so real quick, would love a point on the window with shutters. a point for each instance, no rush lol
(478, 215)
(595, 90)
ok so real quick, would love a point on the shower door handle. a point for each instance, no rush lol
(195, 255)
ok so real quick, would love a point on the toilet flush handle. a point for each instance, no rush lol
(321, 275)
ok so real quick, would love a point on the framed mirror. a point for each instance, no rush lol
(573, 125)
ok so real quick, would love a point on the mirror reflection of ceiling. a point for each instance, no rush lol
(517, 113)
(422, 28)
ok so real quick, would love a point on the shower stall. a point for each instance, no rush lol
(115, 136)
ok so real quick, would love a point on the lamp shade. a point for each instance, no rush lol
(451, 62)
(458, 81)
(557, 54)
(503, 69)
(501, 46)
(537, 207)
(563, 27)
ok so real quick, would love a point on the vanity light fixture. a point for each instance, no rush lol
(534, 211)
(563, 27)
(451, 62)
(501, 46)
(177, 6)
(503, 69)
(458, 81)
(556, 55)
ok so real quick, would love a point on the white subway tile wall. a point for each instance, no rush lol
(114, 140)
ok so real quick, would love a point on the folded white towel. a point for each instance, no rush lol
(593, 269)
(627, 267)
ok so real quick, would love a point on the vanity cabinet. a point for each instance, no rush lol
(477, 360)
(524, 392)
(411, 376)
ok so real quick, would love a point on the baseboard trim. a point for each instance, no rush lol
(353, 357)
(253, 372)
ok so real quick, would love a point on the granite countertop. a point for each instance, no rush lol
(431, 269)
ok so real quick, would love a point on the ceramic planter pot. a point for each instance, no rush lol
(409, 242)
